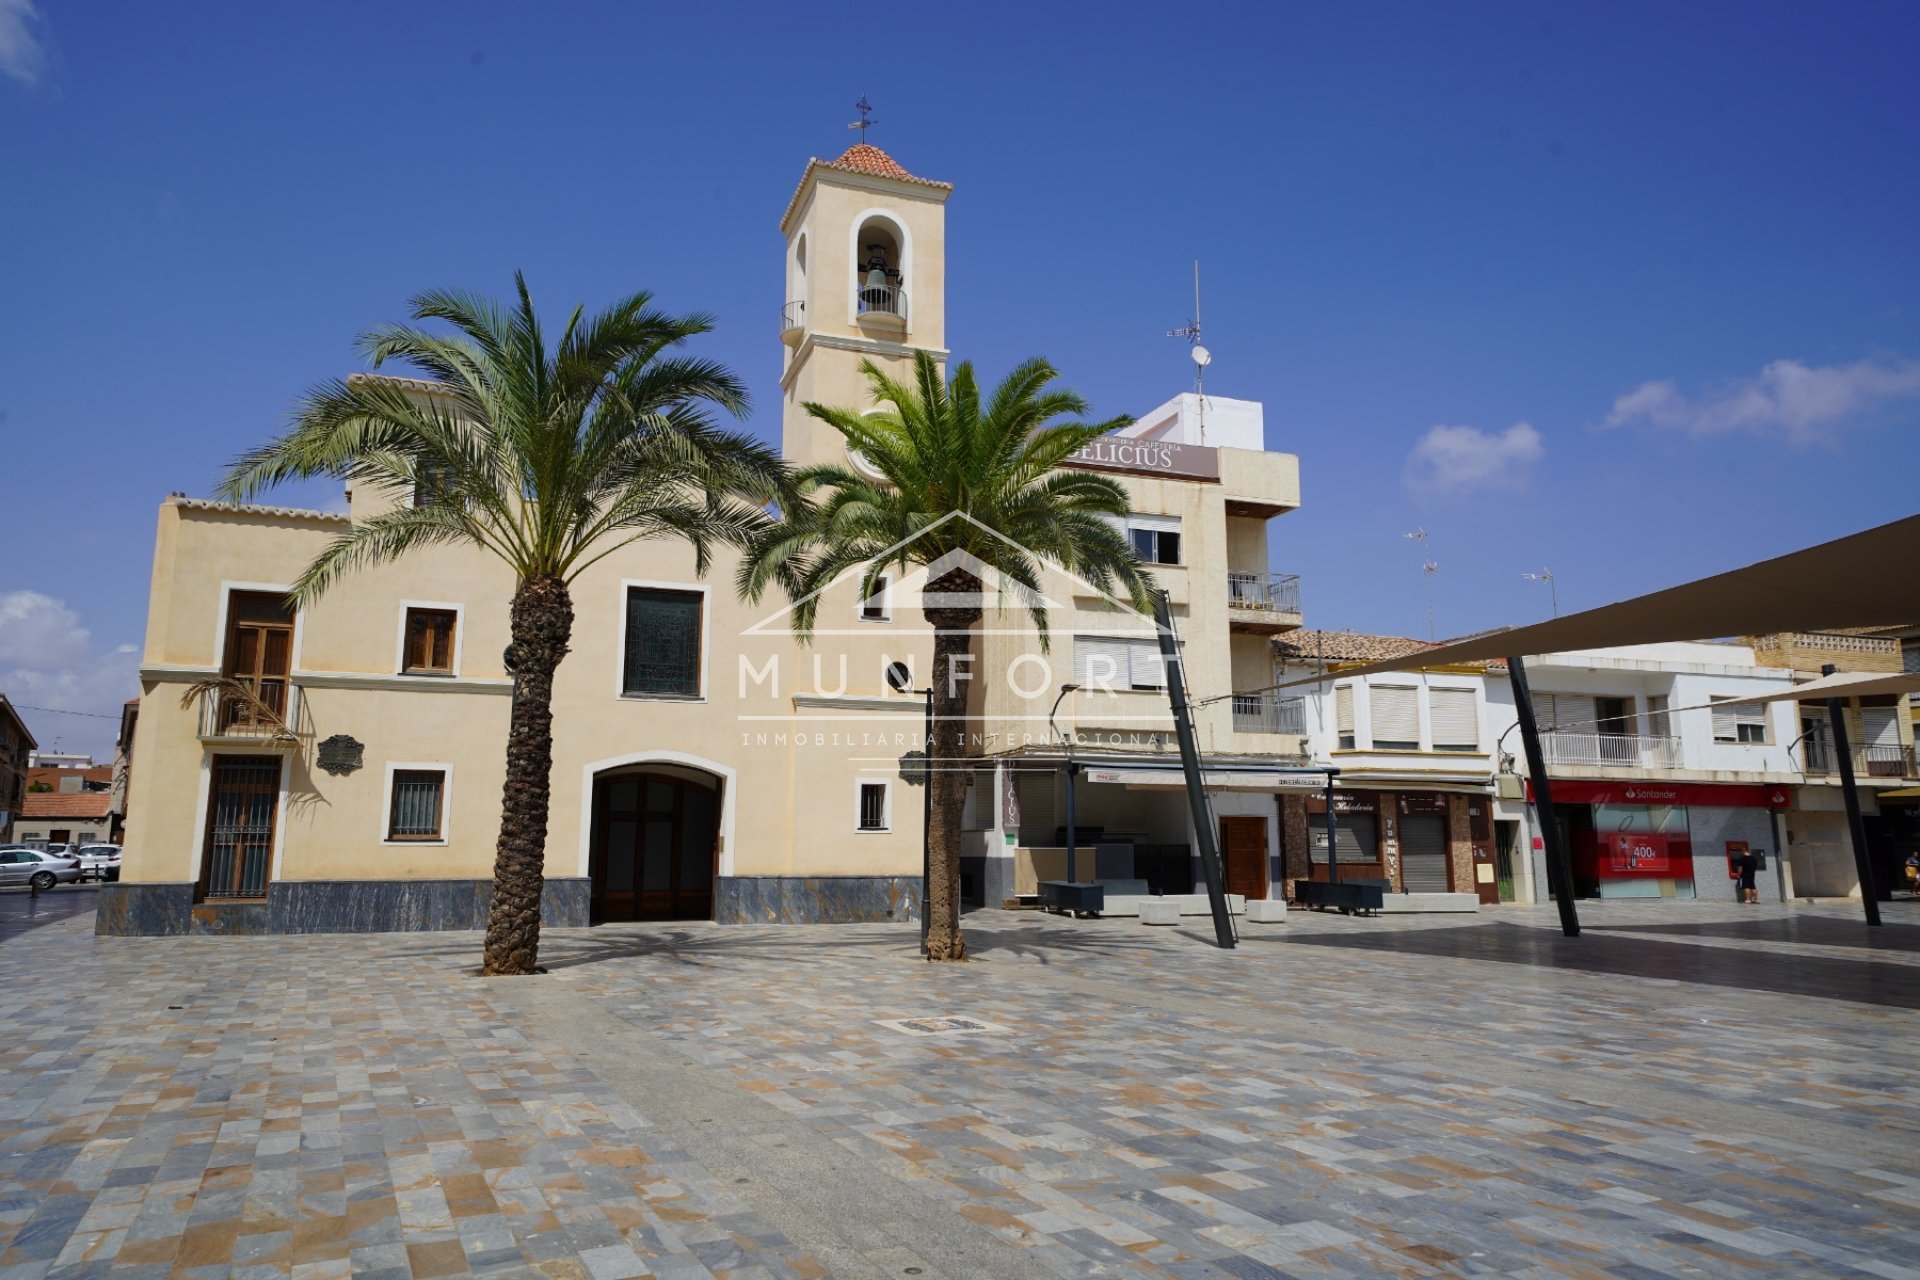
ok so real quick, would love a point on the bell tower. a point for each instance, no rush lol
(866, 280)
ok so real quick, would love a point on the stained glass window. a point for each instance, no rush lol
(663, 642)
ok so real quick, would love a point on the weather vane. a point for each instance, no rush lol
(865, 109)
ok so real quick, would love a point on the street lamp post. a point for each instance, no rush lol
(900, 680)
(1072, 769)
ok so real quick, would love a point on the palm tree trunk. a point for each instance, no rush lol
(542, 623)
(953, 639)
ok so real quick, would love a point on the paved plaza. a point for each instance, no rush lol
(1684, 1091)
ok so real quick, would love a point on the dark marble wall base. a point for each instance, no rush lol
(326, 906)
(815, 899)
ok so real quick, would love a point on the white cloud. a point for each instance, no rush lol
(1458, 459)
(48, 659)
(1804, 403)
(22, 56)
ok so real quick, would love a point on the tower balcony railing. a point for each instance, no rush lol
(1611, 750)
(1267, 713)
(881, 302)
(793, 318)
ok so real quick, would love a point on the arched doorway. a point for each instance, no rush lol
(653, 847)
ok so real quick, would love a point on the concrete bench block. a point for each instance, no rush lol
(1266, 911)
(1159, 911)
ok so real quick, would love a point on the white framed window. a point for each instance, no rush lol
(1155, 538)
(1742, 722)
(878, 607)
(430, 638)
(1396, 717)
(418, 803)
(1455, 719)
(1113, 664)
(1343, 716)
(873, 806)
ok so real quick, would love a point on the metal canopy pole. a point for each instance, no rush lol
(1850, 792)
(1559, 868)
(1190, 764)
(1072, 834)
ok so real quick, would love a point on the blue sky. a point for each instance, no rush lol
(1676, 242)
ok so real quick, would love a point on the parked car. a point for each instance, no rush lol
(99, 861)
(35, 867)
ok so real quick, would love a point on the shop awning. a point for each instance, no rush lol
(1863, 580)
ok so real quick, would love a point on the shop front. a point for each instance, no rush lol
(1667, 840)
(1416, 841)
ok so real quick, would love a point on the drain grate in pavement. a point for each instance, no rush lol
(941, 1026)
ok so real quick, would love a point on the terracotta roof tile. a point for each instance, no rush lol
(54, 804)
(862, 157)
(1344, 646)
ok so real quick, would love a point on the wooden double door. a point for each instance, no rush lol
(653, 850)
(1243, 852)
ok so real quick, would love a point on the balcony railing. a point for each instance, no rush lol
(793, 317)
(1818, 758)
(268, 712)
(882, 300)
(1264, 592)
(1265, 713)
(1611, 750)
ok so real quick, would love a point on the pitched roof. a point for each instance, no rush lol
(56, 804)
(51, 774)
(1344, 646)
(861, 157)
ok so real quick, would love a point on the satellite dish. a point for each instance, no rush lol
(899, 677)
(1202, 356)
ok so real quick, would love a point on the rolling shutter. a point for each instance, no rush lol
(1423, 852)
(1568, 712)
(1099, 663)
(1343, 710)
(1879, 727)
(1356, 834)
(1396, 714)
(1149, 667)
(1456, 722)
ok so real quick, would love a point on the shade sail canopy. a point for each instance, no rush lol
(1863, 580)
(1846, 684)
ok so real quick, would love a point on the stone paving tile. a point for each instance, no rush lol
(1402, 1097)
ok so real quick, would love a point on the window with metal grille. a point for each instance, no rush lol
(1744, 722)
(873, 806)
(418, 803)
(429, 643)
(662, 643)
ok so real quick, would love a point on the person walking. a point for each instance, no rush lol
(1913, 874)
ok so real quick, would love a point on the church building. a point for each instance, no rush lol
(340, 767)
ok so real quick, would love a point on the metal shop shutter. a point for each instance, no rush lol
(1423, 852)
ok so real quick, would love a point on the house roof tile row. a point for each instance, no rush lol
(865, 158)
(1313, 647)
(76, 804)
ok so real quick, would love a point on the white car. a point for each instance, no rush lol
(37, 868)
(99, 861)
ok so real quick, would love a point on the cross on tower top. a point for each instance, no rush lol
(865, 109)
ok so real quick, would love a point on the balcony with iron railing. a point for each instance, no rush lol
(268, 713)
(1268, 713)
(1818, 759)
(1263, 603)
(1610, 750)
(881, 306)
(793, 322)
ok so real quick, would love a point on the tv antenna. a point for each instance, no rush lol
(865, 109)
(1546, 576)
(1200, 355)
(1427, 568)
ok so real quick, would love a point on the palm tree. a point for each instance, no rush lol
(550, 459)
(943, 454)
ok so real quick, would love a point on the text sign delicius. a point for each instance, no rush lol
(1149, 458)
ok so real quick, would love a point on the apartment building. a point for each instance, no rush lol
(16, 748)
(340, 767)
